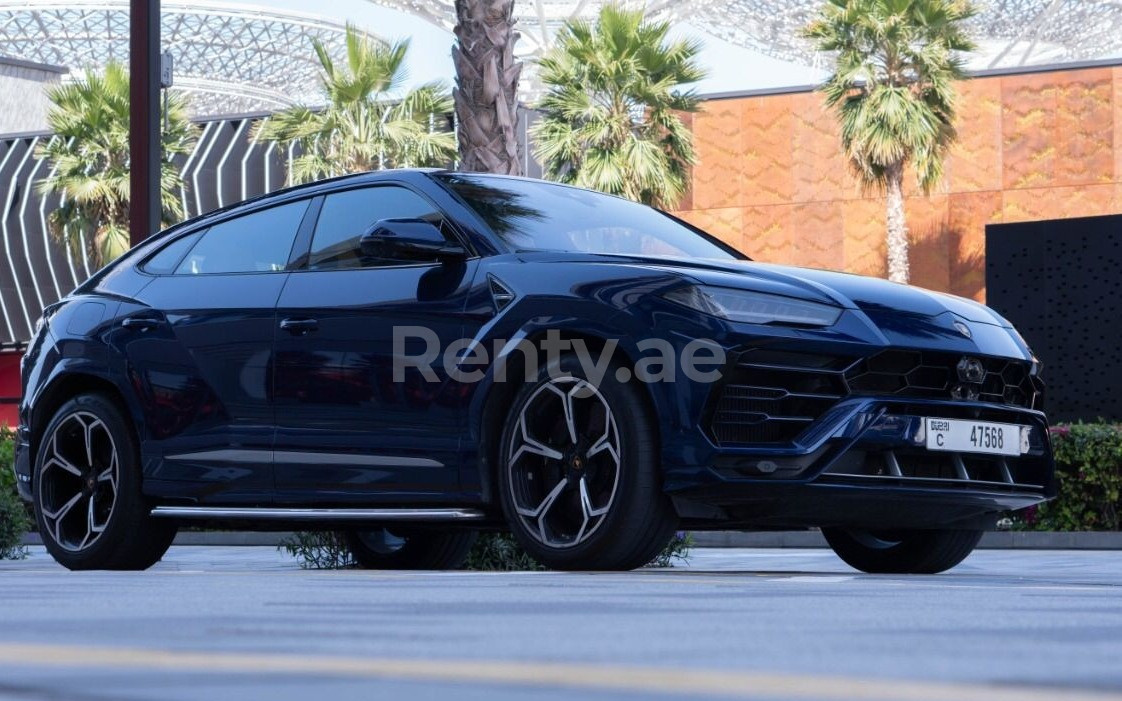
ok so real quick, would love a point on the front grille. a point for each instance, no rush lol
(931, 375)
(771, 396)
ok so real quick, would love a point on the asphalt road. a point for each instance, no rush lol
(245, 623)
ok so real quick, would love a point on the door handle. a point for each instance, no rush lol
(139, 323)
(299, 327)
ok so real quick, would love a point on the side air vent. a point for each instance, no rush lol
(771, 396)
(500, 293)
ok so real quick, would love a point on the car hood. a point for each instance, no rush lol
(872, 295)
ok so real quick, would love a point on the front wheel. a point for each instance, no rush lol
(89, 506)
(579, 473)
(902, 551)
(386, 549)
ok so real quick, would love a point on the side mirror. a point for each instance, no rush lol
(408, 239)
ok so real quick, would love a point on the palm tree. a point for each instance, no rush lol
(487, 86)
(896, 62)
(611, 114)
(365, 125)
(89, 156)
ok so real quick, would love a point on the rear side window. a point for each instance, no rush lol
(257, 242)
(347, 215)
(167, 259)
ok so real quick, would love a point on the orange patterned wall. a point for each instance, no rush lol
(772, 180)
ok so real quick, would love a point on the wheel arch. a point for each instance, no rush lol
(63, 387)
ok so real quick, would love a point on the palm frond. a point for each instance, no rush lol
(89, 157)
(611, 114)
(362, 126)
(895, 66)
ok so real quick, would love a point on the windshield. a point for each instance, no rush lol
(541, 216)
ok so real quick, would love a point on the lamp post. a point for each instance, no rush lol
(144, 119)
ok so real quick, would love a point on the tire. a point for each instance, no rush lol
(902, 552)
(410, 550)
(88, 458)
(624, 519)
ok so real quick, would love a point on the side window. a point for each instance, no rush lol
(347, 215)
(166, 260)
(257, 242)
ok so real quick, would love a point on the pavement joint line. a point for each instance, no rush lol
(660, 680)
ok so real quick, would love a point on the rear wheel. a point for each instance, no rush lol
(902, 551)
(579, 474)
(386, 549)
(88, 501)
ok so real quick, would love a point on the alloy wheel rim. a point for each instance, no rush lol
(564, 462)
(79, 481)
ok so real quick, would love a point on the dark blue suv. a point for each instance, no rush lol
(411, 357)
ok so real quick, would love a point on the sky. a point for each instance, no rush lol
(730, 67)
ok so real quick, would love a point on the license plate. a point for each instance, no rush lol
(973, 436)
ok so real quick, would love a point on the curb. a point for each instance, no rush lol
(758, 539)
(995, 540)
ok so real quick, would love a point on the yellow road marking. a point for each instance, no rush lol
(538, 674)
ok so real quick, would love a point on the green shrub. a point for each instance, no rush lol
(327, 550)
(677, 549)
(319, 550)
(7, 456)
(14, 521)
(492, 552)
(1089, 480)
(499, 552)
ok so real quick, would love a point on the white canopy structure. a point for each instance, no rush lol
(229, 57)
(233, 56)
(1010, 32)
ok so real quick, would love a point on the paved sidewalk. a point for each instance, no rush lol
(245, 623)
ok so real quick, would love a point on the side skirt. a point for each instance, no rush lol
(226, 513)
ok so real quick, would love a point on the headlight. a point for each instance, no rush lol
(754, 307)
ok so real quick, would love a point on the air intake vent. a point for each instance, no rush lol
(500, 293)
(771, 396)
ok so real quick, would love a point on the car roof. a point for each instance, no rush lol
(366, 176)
(293, 192)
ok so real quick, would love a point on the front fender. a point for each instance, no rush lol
(76, 349)
(504, 346)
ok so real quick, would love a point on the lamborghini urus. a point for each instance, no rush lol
(411, 357)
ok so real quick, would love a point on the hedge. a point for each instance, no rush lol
(1089, 480)
(14, 521)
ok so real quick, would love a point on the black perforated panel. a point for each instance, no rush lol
(1060, 283)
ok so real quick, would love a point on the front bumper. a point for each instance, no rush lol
(863, 463)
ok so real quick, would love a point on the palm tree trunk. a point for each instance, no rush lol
(896, 225)
(486, 86)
